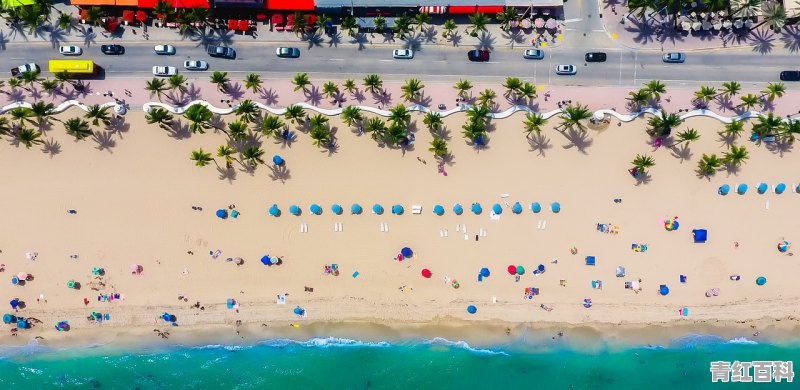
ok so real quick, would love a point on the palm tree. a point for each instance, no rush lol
(48, 86)
(349, 85)
(395, 133)
(438, 147)
(351, 114)
(349, 24)
(77, 128)
(748, 101)
(15, 83)
(527, 91)
(512, 85)
(93, 16)
(412, 90)
(98, 114)
(177, 81)
(661, 126)
(474, 131)
(478, 114)
(237, 130)
(773, 14)
(533, 123)
(402, 25)
(708, 165)
(5, 126)
(320, 135)
(463, 86)
(448, 27)
(733, 129)
(572, 115)
(60, 78)
(199, 117)
(43, 112)
(65, 22)
(773, 90)
(221, 80)
(639, 98)
(433, 120)
(704, 94)
(201, 158)
(730, 89)
(294, 113)
(399, 114)
(642, 163)
(768, 125)
(655, 88)
(687, 136)
(376, 127)
(164, 11)
(506, 16)
(299, 26)
(226, 152)
(160, 116)
(330, 89)
(789, 130)
(21, 115)
(640, 7)
(373, 82)
(478, 22)
(745, 8)
(252, 82)
(28, 137)
(301, 81)
(246, 110)
(155, 86)
(318, 120)
(270, 125)
(421, 19)
(735, 156)
(30, 78)
(486, 98)
(253, 155)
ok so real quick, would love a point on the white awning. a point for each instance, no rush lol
(433, 9)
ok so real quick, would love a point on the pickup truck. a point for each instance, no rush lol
(19, 70)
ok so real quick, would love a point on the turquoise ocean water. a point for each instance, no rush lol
(331, 363)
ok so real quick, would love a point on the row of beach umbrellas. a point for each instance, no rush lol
(397, 209)
(762, 188)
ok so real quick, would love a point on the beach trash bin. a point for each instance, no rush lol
(471, 309)
(700, 235)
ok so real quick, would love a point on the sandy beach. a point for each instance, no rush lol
(134, 198)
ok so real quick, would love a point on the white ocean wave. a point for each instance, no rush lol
(462, 345)
(742, 340)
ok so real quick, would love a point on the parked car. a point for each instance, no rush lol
(221, 52)
(195, 65)
(403, 54)
(478, 55)
(674, 58)
(165, 71)
(790, 75)
(164, 50)
(70, 50)
(112, 50)
(287, 52)
(595, 57)
(533, 54)
(25, 68)
(566, 69)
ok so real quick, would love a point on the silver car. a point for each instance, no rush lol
(165, 71)
(674, 58)
(566, 69)
(164, 50)
(195, 65)
(403, 54)
(533, 54)
(70, 50)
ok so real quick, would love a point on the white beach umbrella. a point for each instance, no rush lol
(696, 26)
(706, 25)
(727, 24)
(738, 23)
(686, 25)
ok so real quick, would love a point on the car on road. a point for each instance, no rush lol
(403, 54)
(25, 68)
(790, 75)
(566, 69)
(195, 65)
(674, 58)
(221, 52)
(70, 50)
(533, 54)
(287, 52)
(165, 71)
(164, 50)
(595, 57)
(112, 50)
(478, 55)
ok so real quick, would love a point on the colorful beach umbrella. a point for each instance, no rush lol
(294, 209)
(377, 209)
(497, 209)
(741, 189)
(516, 208)
(520, 270)
(536, 207)
(784, 246)
(274, 211)
(222, 213)
(762, 188)
(555, 207)
(438, 209)
(761, 281)
(457, 209)
(230, 303)
(471, 309)
(512, 269)
(724, 189)
(426, 273)
(476, 208)
(780, 188)
(277, 160)
(406, 252)
(315, 209)
(337, 209)
(356, 209)
(671, 224)
(397, 209)
(23, 276)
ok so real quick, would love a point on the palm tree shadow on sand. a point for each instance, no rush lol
(279, 173)
(643, 178)
(51, 147)
(226, 173)
(105, 140)
(579, 139)
(791, 38)
(682, 153)
(179, 130)
(270, 96)
(780, 147)
(539, 143)
(763, 41)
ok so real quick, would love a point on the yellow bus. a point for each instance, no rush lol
(75, 68)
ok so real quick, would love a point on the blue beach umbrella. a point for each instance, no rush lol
(741, 189)
(497, 209)
(438, 209)
(761, 281)
(277, 160)
(397, 209)
(377, 209)
(762, 188)
(294, 209)
(724, 189)
(356, 209)
(555, 207)
(222, 213)
(298, 310)
(315, 209)
(797, 189)
(476, 208)
(484, 272)
(274, 211)
(536, 207)
(471, 309)
(9, 318)
(780, 188)
(457, 209)
(22, 324)
(230, 302)
(516, 208)
(14, 280)
(663, 289)
(266, 260)
(337, 209)
(406, 252)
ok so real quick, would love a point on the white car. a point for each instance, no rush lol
(70, 50)
(533, 54)
(164, 50)
(567, 70)
(195, 65)
(403, 54)
(674, 58)
(165, 71)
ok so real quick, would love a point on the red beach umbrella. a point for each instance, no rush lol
(426, 273)
(512, 269)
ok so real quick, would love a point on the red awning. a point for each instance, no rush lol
(433, 9)
(311, 20)
(490, 9)
(261, 16)
(111, 25)
(147, 4)
(290, 5)
(461, 9)
(190, 4)
(127, 15)
(244, 25)
(141, 16)
(231, 24)
(82, 13)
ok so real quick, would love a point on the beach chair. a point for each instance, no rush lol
(598, 284)
(683, 278)
(629, 285)
(416, 209)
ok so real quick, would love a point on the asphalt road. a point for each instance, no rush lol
(626, 68)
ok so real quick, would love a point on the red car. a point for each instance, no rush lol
(478, 55)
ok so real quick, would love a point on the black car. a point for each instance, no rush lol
(221, 52)
(790, 75)
(112, 50)
(596, 57)
(478, 55)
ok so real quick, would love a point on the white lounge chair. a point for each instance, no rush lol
(416, 209)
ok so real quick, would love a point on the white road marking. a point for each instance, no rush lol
(573, 20)
(335, 59)
(385, 60)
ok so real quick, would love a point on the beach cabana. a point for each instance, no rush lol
(762, 188)
(457, 209)
(512, 269)
(497, 209)
(780, 188)
(663, 289)
(724, 189)
(590, 260)
(438, 209)
(741, 189)
(377, 209)
(476, 208)
(222, 213)
(337, 209)
(9, 318)
(536, 207)
(471, 309)
(426, 273)
(266, 260)
(315, 209)
(278, 160)
(555, 207)
(294, 209)
(356, 209)
(274, 211)
(516, 208)
(406, 252)
(700, 235)
(761, 281)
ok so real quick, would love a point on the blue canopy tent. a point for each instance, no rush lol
(274, 211)
(222, 213)
(590, 260)
(377, 209)
(724, 189)
(406, 252)
(471, 309)
(536, 207)
(458, 209)
(497, 209)
(337, 209)
(277, 160)
(663, 289)
(397, 209)
(476, 208)
(9, 318)
(516, 208)
(315, 209)
(356, 209)
(780, 188)
(438, 209)
(762, 188)
(294, 209)
(555, 207)
(700, 235)
(741, 189)
(266, 260)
